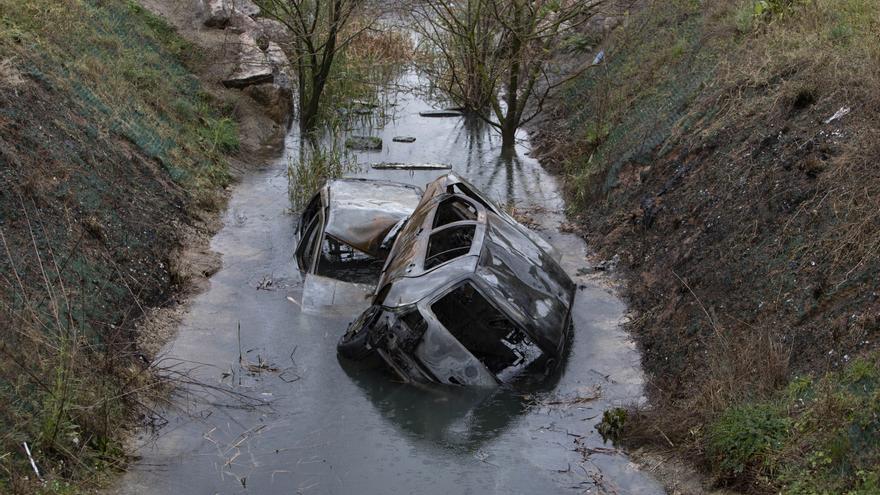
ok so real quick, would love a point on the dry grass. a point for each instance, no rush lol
(314, 166)
(825, 54)
(769, 212)
(66, 396)
(379, 45)
(107, 142)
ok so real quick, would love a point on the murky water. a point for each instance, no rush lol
(327, 427)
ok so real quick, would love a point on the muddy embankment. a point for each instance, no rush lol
(726, 155)
(241, 64)
(118, 142)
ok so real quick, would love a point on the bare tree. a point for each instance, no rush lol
(319, 34)
(492, 56)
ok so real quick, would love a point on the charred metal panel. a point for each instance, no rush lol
(529, 280)
(360, 212)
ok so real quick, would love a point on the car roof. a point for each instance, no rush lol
(360, 212)
(517, 271)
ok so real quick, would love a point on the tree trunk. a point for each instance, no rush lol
(308, 120)
(511, 118)
(508, 134)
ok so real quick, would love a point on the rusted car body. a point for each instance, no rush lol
(467, 295)
(342, 229)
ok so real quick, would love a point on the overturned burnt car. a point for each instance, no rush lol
(467, 295)
(347, 228)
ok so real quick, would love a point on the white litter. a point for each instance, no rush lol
(838, 114)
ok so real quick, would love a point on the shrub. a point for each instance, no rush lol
(775, 9)
(220, 135)
(746, 437)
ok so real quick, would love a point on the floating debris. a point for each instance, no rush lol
(364, 143)
(410, 166)
(404, 139)
(449, 112)
(364, 103)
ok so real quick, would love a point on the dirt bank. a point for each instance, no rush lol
(260, 135)
(727, 158)
(117, 145)
(260, 139)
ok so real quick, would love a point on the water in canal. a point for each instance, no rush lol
(306, 422)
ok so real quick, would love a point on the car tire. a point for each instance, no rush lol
(353, 343)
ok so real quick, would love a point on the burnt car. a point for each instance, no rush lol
(346, 229)
(467, 296)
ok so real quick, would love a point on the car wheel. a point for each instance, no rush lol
(353, 343)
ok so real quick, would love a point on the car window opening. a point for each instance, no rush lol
(339, 260)
(483, 330)
(454, 209)
(460, 188)
(448, 244)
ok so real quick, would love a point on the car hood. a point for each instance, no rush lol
(362, 211)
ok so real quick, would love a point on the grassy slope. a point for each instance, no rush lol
(750, 229)
(109, 151)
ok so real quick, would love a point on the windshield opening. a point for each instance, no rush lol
(454, 209)
(448, 244)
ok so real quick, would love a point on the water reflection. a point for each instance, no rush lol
(453, 417)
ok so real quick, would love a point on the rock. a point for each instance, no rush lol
(608, 265)
(274, 30)
(280, 65)
(253, 65)
(403, 139)
(217, 13)
(364, 104)
(277, 100)
(361, 107)
(364, 143)
(277, 58)
(240, 23)
(246, 7)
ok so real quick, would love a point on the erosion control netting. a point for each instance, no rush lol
(95, 146)
(633, 112)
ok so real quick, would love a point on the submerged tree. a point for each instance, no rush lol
(492, 56)
(320, 32)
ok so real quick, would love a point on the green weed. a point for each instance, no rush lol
(220, 135)
(775, 9)
(744, 18)
(314, 166)
(835, 447)
(747, 436)
(612, 424)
